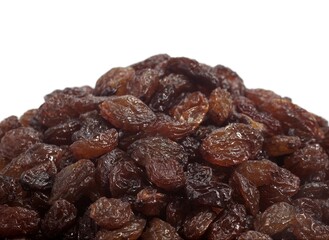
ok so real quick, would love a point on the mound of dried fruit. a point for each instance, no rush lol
(167, 148)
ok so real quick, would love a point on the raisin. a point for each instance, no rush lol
(308, 206)
(96, 146)
(280, 145)
(104, 165)
(168, 127)
(111, 213)
(229, 80)
(87, 228)
(39, 177)
(220, 106)
(160, 230)
(127, 112)
(197, 224)
(197, 72)
(307, 161)
(8, 124)
(253, 235)
(146, 149)
(73, 181)
(18, 140)
(17, 221)
(230, 224)
(37, 154)
(275, 219)
(192, 109)
(171, 87)
(8, 188)
(203, 187)
(246, 192)
(176, 212)
(61, 134)
(144, 85)
(60, 217)
(151, 62)
(231, 145)
(314, 190)
(305, 227)
(125, 178)
(132, 231)
(114, 82)
(150, 202)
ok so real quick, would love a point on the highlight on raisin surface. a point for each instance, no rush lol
(166, 148)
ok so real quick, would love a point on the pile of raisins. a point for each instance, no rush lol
(167, 148)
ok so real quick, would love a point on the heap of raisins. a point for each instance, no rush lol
(167, 148)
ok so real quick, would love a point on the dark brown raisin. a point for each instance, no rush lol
(132, 231)
(309, 206)
(150, 202)
(231, 145)
(196, 224)
(247, 193)
(307, 161)
(275, 219)
(61, 134)
(37, 154)
(17, 221)
(18, 140)
(151, 62)
(8, 188)
(253, 235)
(111, 213)
(160, 230)
(230, 224)
(40, 177)
(204, 188)
(144, 85)
(125, 178)
(60, 217)
(8, 124)
(73, 181)
(127, 112)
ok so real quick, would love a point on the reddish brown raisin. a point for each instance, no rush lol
(127, 112)
(60, 217)
(197, 224)
(220, 106)
(61, 134)
(253, 235)
(275, 219)
(160, 230)
(150, 202)
(280, 145)
(232, 145)
(8, 124)
(73, 181)
(114, 82)
(17, 141)
(111, 213)
(230, 224)
(132, 231)
(17, 221)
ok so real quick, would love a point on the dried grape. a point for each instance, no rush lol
(166, 148)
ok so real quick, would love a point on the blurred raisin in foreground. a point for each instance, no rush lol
(167, 148)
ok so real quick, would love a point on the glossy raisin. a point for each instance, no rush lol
(60, 217)
(61, 134)
(73, 181)
(17, 221)
(253, 235)
(231, 145)
(114, 82)
(8, 124)
(280, 145)
(127, 112)
(132, 231)
(160, 230)
(220, 106)
(111, 213)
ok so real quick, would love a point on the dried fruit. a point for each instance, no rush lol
(232, 145)
(111, 213)
(167, 148)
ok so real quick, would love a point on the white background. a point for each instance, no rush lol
(47, 45)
